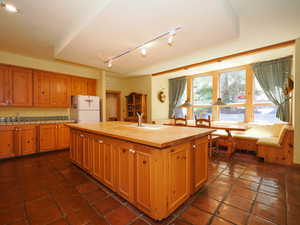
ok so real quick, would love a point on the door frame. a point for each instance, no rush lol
(118, 94)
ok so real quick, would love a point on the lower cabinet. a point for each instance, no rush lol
(7, 148)
(155, 180)
(53, 137)
(25, 136)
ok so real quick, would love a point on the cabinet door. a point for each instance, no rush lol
(199, 163)
(144, 162)
(87, 154)
(63, 137)
(47, 134)
(5, 85)
(73, 144)
(125, 170)
(79, 86)
(7, 142)
(98, 157)
(91, 87)
(79, 148)
(27, 139)
(109, 149)
(21, 94)
(41, 85)
(179, 175)
(59, 94)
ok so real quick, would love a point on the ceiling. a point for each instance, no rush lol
(90, 33)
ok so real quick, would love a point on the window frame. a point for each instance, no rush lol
(216, 75)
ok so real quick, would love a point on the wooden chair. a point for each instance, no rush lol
(213, 139)
(178, 121)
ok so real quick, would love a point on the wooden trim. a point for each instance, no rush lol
(222, 58)
(297, 165)
(118, 94)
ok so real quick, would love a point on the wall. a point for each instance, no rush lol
(160, 110)
(297, 103)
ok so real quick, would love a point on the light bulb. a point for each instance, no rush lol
(9, 7)
(171, 37)
(143, 51)
(109, 64)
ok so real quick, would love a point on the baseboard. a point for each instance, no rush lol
(296, 165)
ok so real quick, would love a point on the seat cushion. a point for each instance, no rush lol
(220, 133)
(272, 141)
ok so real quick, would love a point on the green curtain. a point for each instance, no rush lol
(176, 91)
(272, 77)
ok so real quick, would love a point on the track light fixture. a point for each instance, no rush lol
(143, 51)
(142, 47)
(8, 7)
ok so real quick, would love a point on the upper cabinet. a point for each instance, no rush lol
(83, 86)
(51, 89)
(15, 86)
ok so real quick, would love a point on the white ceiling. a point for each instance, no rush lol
(86, 33)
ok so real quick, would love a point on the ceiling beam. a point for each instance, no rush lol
(219, 59)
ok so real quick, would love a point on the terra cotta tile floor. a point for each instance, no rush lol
(47, 189)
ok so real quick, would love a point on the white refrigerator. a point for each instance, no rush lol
(85, 109)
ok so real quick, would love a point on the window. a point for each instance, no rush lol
(202, 90)
(236, 114)
(202, 112)
(265, 113)
(233, 87)
(202, 96)
(259, 94)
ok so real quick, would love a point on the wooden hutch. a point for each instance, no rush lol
(136, 102)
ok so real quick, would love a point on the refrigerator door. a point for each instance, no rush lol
(88, 116)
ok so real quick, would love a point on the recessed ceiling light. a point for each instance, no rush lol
(8, 7)
(109, 64)
(143, 51)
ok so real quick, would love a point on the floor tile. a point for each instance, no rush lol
(206, 203)
(219, 221)
(139, 222)
(275, 215)
(195, 216)
(239, 202)
(95, 195)
(87, 187)
(255, 220)
(86, 216)
(120, 216)
(10, 215)
(106, 205)
(232, 214)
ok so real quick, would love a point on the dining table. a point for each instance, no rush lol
(226, 126)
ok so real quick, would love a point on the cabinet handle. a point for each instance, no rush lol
(100, 141)
(131, 151)
(194, 146)
(81, 135)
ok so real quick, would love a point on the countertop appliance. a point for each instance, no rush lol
(85, 109)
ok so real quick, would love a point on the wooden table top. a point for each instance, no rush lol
(219, 126)
(159, 136)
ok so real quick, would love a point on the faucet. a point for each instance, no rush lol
(140, 118)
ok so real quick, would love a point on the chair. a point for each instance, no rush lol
(213, 139)
(178, 121)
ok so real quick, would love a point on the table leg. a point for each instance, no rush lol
(230, 147)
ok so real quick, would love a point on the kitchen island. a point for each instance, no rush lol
(154, 167)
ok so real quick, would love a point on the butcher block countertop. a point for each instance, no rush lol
(159, 136)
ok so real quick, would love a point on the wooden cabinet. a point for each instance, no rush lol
(7, 140)
(25, 139)
(157, 181)
(5, 85)
(83, 86)
(136, 103)
(53, 137)
(51, 90)
(16, 86)
(179, 175)
(199, 162)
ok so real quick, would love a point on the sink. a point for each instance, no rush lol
(148, 126)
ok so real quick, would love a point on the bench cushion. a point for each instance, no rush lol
(272, 141)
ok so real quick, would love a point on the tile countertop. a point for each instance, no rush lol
(37, 122)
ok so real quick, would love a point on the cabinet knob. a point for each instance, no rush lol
(131, 151)
(144, 161)
(100, 141)
(81, 135)
(194, 146)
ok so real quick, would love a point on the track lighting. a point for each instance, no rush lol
(143, 51)
(109, 64)
(142, 47)
(171, 37)
(8, 7)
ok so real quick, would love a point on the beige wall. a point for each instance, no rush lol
(160, 110)
(297, 103)
(29, 112)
